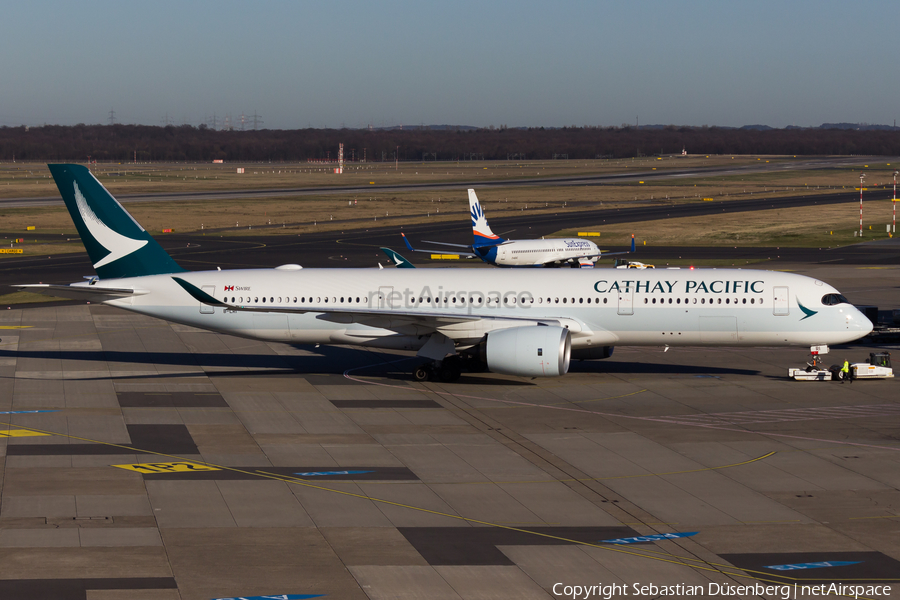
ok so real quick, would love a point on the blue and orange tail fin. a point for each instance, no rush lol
(480, 228)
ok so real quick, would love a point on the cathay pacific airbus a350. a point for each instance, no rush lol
(526, 323)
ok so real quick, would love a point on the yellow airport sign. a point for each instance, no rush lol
(15, 433)
(864, 189)
(29, 228)
(708, 199)
(170, 467)
(445, 257)
(588, 234)
(10, 251)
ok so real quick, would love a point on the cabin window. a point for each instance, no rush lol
(564, 300)
(264, 300)
(678, 301)
(752, 300)
(744, 301)
(646, 301)
(727, 300)
(695, 301)
(654, 301)
(581, 301)
(604, 300)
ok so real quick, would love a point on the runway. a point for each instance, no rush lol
(158, 461)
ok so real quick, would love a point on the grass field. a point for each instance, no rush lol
(812, 227)
(337, 212)
(19, 180)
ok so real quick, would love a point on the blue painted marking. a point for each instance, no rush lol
(650, 538)
(276, 597)
(24, 412)
(321, 473)
(814, 565)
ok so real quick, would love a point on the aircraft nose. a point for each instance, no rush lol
(859, 322)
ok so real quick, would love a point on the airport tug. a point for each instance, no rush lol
(878, 366)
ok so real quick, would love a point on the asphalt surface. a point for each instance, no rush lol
(143, 459)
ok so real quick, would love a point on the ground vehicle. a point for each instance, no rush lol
(877, 366)
(632, 264)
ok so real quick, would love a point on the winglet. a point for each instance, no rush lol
(197, 293)
(632, 242)
(406, 241)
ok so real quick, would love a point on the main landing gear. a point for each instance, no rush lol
(449, 369)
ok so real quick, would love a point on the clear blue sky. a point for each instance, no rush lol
(524, 63)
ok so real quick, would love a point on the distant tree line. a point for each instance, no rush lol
(124, 143)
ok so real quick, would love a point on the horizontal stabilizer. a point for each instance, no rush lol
(79, 292)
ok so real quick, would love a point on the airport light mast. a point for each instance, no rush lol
(894, 204)
(861, 177)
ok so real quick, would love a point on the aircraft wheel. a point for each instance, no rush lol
(449, 372)
(422, 373)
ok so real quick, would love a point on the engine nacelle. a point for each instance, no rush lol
(534, 351)
(593, 353)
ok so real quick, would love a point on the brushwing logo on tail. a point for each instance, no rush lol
(479, 222)
(118, 245)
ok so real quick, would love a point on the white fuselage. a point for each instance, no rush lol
(601, 307)
(531, 253)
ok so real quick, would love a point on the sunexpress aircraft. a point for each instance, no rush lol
(518, 322)
(494, 250)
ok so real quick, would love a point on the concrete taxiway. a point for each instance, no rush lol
(153, 461)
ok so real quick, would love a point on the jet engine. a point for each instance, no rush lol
(593, 353)
(534, 351)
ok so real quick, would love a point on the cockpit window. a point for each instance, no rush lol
(832, 299)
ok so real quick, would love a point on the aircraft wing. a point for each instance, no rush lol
(91, 293)
(466, 254)
(454, 325)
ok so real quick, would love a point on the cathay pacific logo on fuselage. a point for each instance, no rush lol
(117, 244)
(806, 311)
(690, 286)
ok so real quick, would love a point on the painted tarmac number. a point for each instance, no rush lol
(172, 467)
(11, 433)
